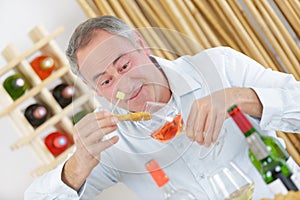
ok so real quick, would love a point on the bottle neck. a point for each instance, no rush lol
(60, 141)
(18, 83)
(39, 112)
(46, 63)
(240, 119)
(168, 189)
(68, 92)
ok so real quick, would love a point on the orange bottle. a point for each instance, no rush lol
(57, 142)
(43, 66)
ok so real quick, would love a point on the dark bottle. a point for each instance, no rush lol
(57, 142)
(78, 116)
(15, 85)
(36, 114)
(43, 66)
(272, 167)
(63, 93)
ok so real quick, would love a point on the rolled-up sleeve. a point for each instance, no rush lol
(280, 109)
(50, 186)
(278, 92)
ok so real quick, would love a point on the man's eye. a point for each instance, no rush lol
(106, 82)
(124, 67)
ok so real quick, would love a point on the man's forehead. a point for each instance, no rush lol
(105, 52)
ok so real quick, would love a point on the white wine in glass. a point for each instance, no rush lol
(230, 183)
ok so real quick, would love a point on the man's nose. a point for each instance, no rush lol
(125, 84)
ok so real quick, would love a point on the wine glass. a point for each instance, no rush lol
(167, 123)
(231, 183)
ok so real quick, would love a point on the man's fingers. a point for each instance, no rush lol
(97, 136)
(104, 144)
(209, 129)
(90, 128)
(190, 124)
(94, 150)
(196, 121)
(91, 117)
(217, 129)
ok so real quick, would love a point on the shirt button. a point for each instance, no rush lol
(201, 176)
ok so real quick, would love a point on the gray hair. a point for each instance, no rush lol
(83, 34)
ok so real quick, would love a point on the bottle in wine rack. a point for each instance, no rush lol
(36, 114)
(15, 85)
(57, 142)
(78, 116)
(43, 66)
(63, 93)
(163, 182)
(272, 167)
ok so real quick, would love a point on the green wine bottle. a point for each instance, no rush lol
(78, 116)
(274, 147)
(15, 85)
(273, 169)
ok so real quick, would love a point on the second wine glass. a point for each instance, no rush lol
(231, 183)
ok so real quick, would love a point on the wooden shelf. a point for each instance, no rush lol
(40, 91)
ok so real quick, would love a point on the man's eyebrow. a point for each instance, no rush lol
(118, 58)
(97, 75)
(114, 62)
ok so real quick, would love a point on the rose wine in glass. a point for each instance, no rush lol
(169, 130)
(167, 123)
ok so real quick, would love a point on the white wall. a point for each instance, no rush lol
(17, 18)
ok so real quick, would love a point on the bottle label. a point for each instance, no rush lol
(296, 171)
(296, 179)
(277, 187)
(257, 146)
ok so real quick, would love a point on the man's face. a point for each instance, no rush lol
(111, 63)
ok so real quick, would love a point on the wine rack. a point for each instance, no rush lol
(40, 91)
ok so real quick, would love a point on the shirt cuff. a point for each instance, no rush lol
(59, 188)
(272, 108)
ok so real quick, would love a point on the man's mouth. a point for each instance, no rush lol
(136, 93)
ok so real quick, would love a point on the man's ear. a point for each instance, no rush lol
(142, 43)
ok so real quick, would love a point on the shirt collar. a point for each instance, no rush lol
(178, 75)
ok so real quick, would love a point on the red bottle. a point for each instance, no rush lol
(43, 66)
(57, 142)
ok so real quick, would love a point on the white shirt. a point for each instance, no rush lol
(190, 77)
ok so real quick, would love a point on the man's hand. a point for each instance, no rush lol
(208, 113)
(89, 140)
